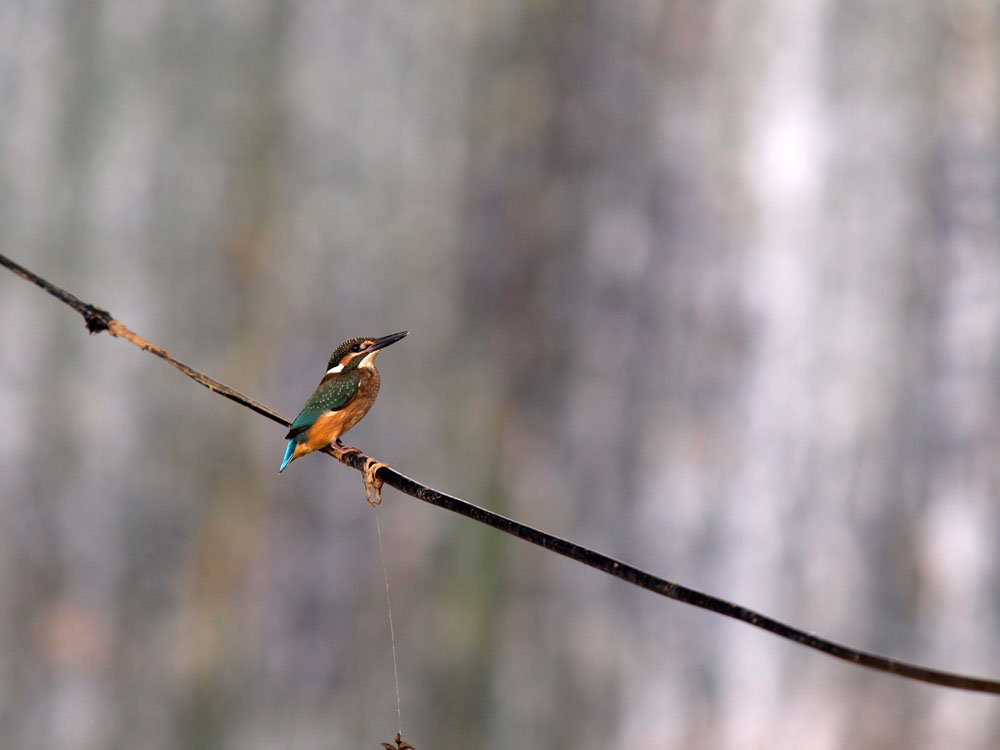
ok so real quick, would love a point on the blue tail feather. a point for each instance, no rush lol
(289, 452)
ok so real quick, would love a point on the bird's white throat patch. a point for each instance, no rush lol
(368, 361)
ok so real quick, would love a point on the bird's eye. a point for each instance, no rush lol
(356, 348)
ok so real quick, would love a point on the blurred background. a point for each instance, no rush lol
(710, 285)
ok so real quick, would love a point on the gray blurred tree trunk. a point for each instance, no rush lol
(583, 219)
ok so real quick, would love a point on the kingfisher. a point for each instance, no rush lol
(344, 395)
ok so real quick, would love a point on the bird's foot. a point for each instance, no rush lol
(372, 482)
(340, 450)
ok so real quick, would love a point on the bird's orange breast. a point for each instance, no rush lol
(326, 430)
(330, 426)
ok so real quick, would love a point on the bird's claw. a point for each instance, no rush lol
(340, 450)
(372, 481)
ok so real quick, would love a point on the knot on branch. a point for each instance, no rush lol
(97, 320)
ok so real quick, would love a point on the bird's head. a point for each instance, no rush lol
(359, 352)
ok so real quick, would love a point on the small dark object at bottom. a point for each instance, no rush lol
(401, 744)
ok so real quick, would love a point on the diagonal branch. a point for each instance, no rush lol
(98, 320)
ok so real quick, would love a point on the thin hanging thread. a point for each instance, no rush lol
(392, 632)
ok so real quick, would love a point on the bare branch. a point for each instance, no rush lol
(98, 320)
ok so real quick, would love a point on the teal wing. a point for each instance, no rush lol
(332, 395)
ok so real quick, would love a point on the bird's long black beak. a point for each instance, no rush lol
(383, 342)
